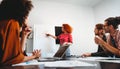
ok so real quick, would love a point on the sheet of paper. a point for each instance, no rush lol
(99, 59)
(33, 62)
(68, 63)
(93, 58)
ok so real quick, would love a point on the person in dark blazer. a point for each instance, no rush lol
(99, 31)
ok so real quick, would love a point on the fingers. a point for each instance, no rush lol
(26, 30)
(36, 53)
(97, 40)
(86, 55)
(47, 34)
(83, 55)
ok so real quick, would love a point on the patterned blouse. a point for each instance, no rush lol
(116, 39)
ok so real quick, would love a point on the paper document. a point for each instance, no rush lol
(100, 59)
(32, 62)
(113, 60)
(68, 63)
(93, 58)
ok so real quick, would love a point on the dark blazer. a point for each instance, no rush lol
(100, 51)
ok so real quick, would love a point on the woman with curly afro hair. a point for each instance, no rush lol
(13, 20)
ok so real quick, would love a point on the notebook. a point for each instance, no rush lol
(57, 56)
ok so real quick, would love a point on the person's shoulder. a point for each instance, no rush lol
(13, 22)
(9, 22)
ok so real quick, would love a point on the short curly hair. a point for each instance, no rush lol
(15, 9)
(99, 26)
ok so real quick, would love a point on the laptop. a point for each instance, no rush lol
(57, 56)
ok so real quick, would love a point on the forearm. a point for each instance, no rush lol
(27, 58)
(26, 30)
(23, 41)
(111, 49)
(55, 37)
(35, 54)
(102, 53)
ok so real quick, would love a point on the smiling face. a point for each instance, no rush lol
(106, 27)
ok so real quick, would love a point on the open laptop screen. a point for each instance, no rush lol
(61, 51)
(58, 55)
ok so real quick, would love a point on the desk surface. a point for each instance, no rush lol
(103, 66)
(99, 65)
